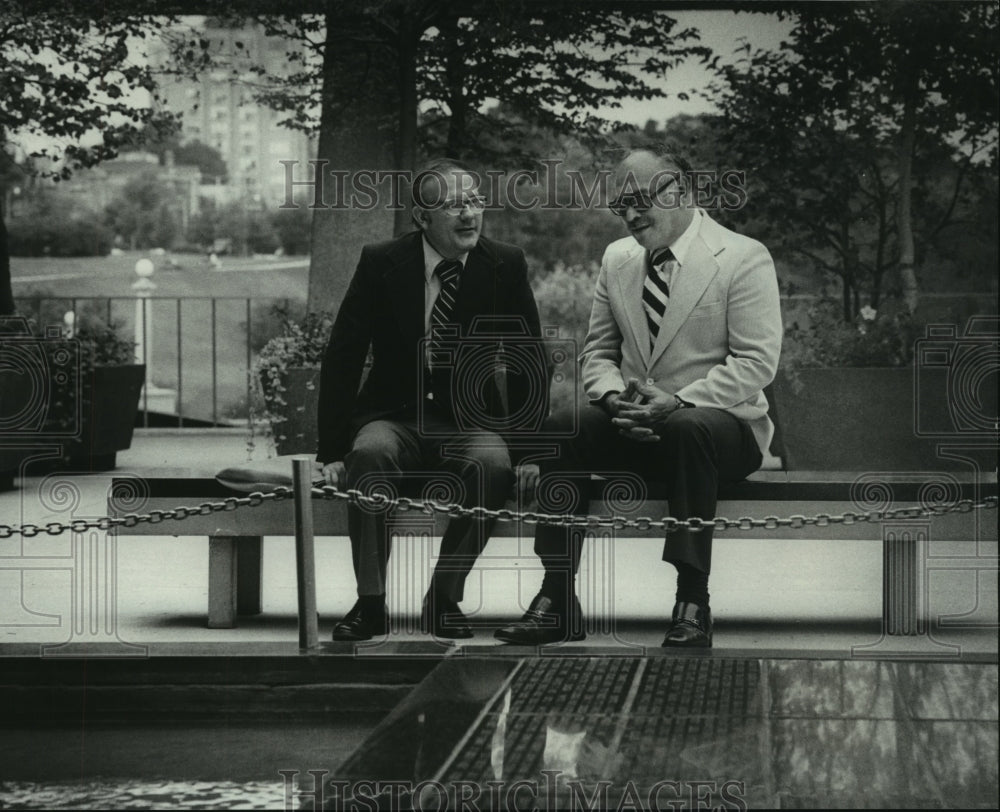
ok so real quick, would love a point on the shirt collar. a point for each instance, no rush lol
(432, 259)
(680, 246)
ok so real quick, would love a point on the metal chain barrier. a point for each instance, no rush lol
(430, 507)
(153, 517)
(667, 523)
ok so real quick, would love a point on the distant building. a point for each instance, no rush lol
(218, 110)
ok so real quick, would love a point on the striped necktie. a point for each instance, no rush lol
(448, 271)
(655, 291)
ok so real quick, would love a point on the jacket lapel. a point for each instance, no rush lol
(631, 277)
(476, 285)
(690, 282)
(405, 284)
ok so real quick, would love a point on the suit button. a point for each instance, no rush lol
(650, 381)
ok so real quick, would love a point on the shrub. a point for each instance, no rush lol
(294, 229)
(42, 235)
(873, 339)
(301, 343)
(564, 298)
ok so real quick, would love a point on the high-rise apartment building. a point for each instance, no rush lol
(219, 110)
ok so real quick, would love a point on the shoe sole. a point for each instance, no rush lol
(513, 639)
(686, 645)
(447, 634)
(353, 638)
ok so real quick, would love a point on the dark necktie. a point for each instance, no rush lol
(655, 291)
(447, 271)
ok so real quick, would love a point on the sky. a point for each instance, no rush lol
(721, 31)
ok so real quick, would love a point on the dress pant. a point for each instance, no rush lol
(398, 455)
(699, 448)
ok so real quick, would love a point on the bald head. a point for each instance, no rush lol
(649, 189)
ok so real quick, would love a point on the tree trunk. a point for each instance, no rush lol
(6, 288)
(455, 78)
(406, 143)
(356, 134)
(907, 137)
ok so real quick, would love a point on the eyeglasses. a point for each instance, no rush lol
(640, 201)
(455, 208)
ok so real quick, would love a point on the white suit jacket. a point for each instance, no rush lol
(720, 337)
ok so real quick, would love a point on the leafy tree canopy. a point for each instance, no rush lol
(74, 88)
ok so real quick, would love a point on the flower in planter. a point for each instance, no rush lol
(882, 338)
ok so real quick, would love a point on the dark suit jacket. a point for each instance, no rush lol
(384, 310)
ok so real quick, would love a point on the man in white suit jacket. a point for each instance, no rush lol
(680, 347)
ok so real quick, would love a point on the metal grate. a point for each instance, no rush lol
(700, 687)
(591, 685)
(668, 718)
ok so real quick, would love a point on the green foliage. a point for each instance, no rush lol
(872, 339)
(850, 89)
(553, 68)
(67, 70)
(191, 153)
(564, 299)
(301, 343)
(52, 225)
(293, 229)
(144, 214)
(250, 228)
(270, 320)
(102, 343)
(43, 236)
(207, 159)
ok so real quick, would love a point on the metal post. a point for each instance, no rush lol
(143, 287)
(215, 376)
(305, 557)
(180, 383)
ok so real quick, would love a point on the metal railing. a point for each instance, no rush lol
(199, 348)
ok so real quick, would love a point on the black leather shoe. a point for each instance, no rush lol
(691, 627)
(442, 618)
(544, 623)
(359, 625)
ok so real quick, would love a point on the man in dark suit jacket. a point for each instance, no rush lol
(433, 307)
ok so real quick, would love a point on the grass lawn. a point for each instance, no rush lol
(271, 280)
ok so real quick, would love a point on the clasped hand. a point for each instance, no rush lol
(639, 412)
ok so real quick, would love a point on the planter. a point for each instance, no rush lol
(108, 418)
(860, 419)
(296, 410)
